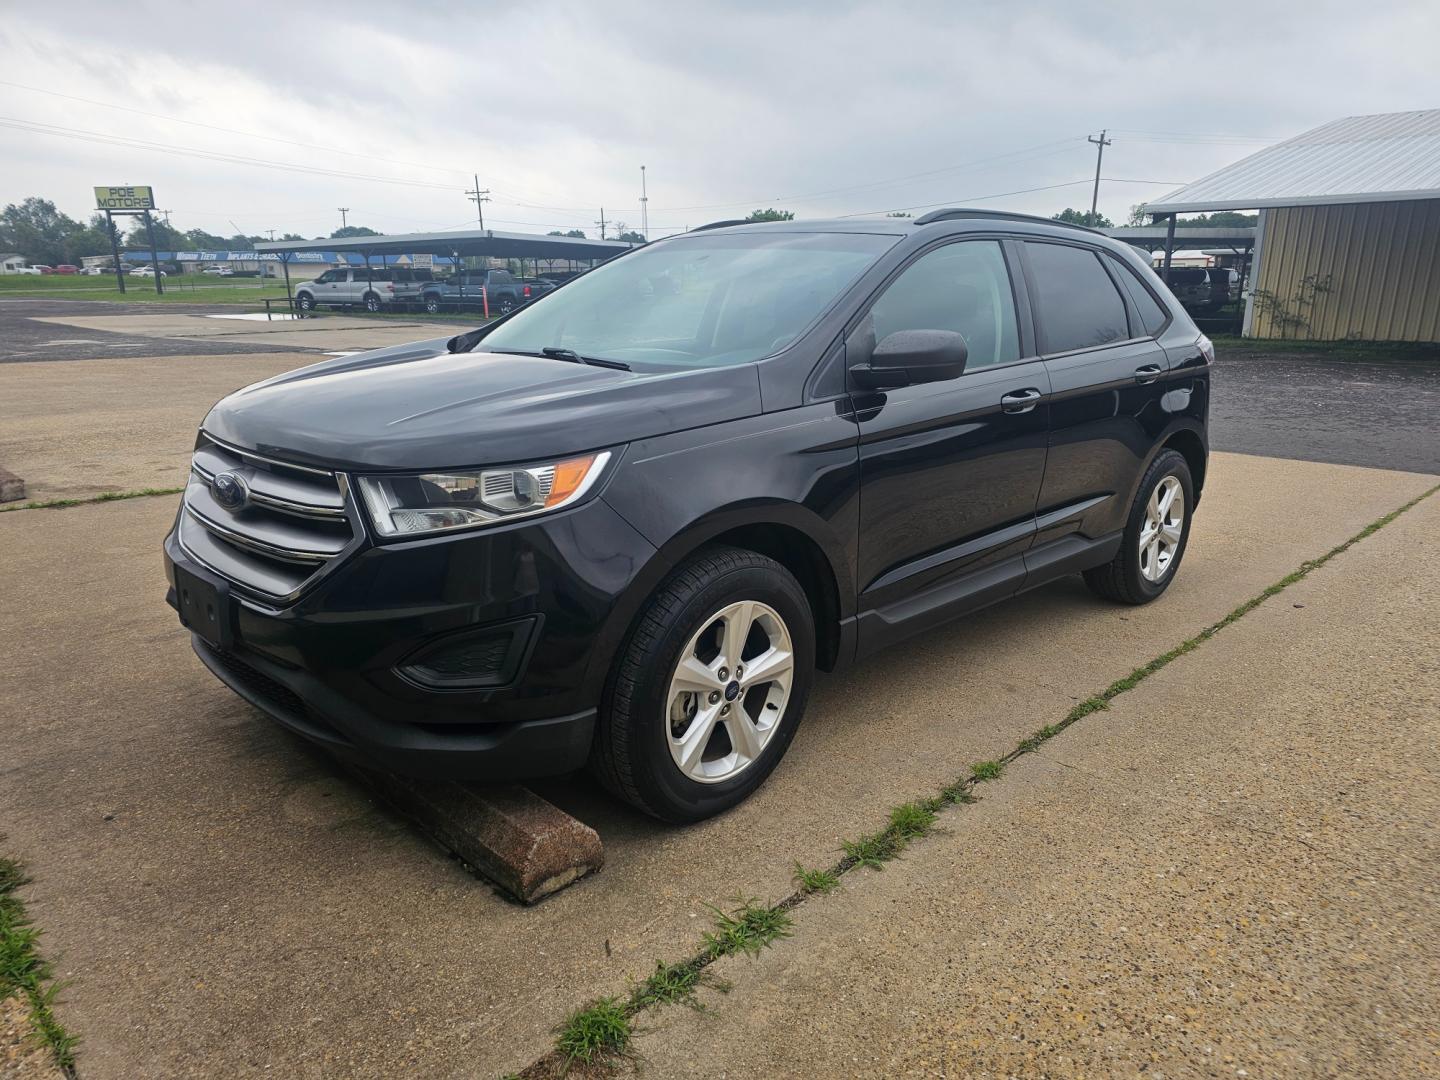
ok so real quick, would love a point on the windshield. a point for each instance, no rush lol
(702, 301)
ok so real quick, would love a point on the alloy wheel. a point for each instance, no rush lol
(728, 691)
(1163, 528)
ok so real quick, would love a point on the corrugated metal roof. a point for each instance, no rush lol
(1380, 158)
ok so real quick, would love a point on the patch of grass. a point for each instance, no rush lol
(816, 881)
(599, 1032)
(1391, 351)
(873, 850)
(24, 971)
(982, 771)
(911, 820)
(108, 496)
(670, 984)
(747, 929)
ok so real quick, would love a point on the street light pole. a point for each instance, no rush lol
(644, 206)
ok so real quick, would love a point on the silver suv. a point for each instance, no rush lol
(346, 287)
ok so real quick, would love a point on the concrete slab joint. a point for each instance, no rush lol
(11, 486)
(519, 841)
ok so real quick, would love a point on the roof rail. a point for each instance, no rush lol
(721, 224)
(952, 213)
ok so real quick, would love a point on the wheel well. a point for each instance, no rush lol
(799, 554)
(1188, 443)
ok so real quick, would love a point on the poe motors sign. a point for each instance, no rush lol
(135, 201)
(131, 198)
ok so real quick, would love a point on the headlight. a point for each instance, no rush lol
(434, 502)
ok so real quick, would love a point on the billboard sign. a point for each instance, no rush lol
(125, 198)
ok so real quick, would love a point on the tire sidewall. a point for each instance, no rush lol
(661, 781)
(1169, 463)
(372, 303)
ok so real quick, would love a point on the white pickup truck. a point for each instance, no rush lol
(357, 287)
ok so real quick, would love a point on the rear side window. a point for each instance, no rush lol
(962, 287)
(1153, 315)
(1077, 305)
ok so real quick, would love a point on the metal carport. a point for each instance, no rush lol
(480, 243)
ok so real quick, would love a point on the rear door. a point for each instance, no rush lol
(949, 470)
(1107, 375)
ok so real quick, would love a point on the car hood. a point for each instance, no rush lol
(421, 406)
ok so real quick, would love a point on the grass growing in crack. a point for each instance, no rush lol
(672, 984)
(747, 929)
(108, 496)
(816, 881)
(599, 1032)
(751, 927)
(23, 971)
(986, 770)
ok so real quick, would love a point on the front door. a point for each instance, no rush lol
(949, 471)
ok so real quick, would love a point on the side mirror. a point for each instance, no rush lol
(913, 356)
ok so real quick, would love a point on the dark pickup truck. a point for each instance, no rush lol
(498, 290)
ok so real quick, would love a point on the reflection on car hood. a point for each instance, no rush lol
(420, 406)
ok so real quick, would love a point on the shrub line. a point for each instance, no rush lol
(753, 927)
(23, 971)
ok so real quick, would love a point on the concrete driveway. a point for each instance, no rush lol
(224, 902)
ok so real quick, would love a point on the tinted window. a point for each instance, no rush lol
(961, 287)
(1152, 313)
(1076, 302)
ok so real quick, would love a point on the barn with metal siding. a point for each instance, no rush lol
(1348, 243)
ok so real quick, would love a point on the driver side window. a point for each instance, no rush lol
(964, 287)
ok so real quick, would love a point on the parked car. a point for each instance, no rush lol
(355, 286)
(622, 526)
(41, 268)
(218, 271)
(1224, 286)
(96, 271)
(502, 292)
(67, 268)
(1191, 286)
(146, 272)
(24, 270)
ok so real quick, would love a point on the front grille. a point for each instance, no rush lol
(274, 694)
(293, 521)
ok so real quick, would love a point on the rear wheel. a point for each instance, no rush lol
(372, 302)
(432, 303)
(1155, 535)
(507, 305)
(708, 691)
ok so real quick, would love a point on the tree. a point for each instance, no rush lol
(351, 230)
(166, 238)
(1221, 219)
(1083, 217)
(631, 237)
(771, 215)
(38, 230)
(204, 241)
(573, 234)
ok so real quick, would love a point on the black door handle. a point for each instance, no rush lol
(1147, 374)
(1020, 401)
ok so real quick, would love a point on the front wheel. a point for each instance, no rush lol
(305, 302)
(1155, 535)
(708, 691)
(432, 304)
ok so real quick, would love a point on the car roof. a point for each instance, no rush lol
(935, 223)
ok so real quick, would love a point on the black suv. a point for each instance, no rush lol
(624, 525)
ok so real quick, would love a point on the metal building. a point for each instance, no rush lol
(1348, 243)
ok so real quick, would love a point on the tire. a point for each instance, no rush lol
(632, 753)
(372, 302)
(1139, 573)
(432, 303)
(305, 302)
(507, 305)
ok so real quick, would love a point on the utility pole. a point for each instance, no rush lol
(1100, 145)
(644, 205)
(601, 223)
(344, 222)
(167, 216)
(480, 198)
(272, 233)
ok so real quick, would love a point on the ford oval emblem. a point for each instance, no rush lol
(229, 491)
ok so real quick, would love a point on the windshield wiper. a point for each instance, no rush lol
(557, 353)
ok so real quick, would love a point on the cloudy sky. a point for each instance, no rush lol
(260, 117)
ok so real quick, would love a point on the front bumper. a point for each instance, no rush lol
(328, 666)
